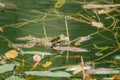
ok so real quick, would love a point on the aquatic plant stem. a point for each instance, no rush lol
(67, 33)
(44, 29)
(57, 68)
(95, 10)
(83, 72)
(116, 21)
(66, 25)
(6, 39)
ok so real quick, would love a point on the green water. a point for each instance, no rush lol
(55, 25)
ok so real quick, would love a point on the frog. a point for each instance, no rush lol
(48, 42)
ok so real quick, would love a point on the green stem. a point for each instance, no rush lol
(6, 39)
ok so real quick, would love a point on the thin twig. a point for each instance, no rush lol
(67, 33)
(83, 72)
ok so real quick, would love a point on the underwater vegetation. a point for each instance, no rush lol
(59, 40)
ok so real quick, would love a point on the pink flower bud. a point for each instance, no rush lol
(37, 58)
(97, 24)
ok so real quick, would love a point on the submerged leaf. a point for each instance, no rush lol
(14, 78)
(37, 53)
(73, 49)
(11, 54)
(48, 73)
(100, 48)
(47, 64)
(6, 67)
(103, 71)
(59, 3)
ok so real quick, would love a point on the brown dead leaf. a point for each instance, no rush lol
(116, 77)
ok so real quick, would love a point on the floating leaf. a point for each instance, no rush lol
(73, 49)
(47, 64)
(6, 67)
(48, 73)
(108, 72)
(14, 78)
(82, 39)
(11, 54)
(37, 53)
(103, 71)
(59, 3)
(100, 48)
